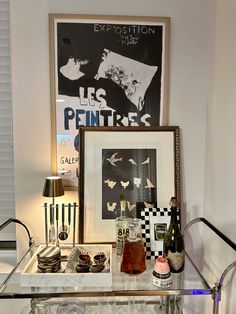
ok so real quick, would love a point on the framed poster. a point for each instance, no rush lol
(115, 166)
(105, 71)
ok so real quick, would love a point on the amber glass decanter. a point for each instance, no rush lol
(133, 258)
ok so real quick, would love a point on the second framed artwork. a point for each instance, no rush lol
(138, 164)
(105, 71)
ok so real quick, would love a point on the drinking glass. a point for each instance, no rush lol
(36, 309)
(71, 308)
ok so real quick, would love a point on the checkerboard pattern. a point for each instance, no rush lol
(146, 213)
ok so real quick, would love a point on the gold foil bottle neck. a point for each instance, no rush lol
(173, 202)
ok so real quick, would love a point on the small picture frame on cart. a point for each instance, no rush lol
(155, 223)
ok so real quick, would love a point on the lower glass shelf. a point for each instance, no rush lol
(168, 305)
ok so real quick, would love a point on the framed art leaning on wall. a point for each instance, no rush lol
(105, 71)
(137, 164)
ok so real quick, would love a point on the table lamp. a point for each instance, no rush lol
(52, 188)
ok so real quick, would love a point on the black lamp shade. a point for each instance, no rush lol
(53, 187)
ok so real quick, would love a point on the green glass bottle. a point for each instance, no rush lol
(173, 245)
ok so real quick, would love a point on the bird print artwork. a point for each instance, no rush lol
(147, 161)
(149, 184)
(110, 183)
(148, 205)
(132, 161)
(124, 184)
(111, 206)
(128, 172)
(137, 182)
(130, 206)
(113, 160)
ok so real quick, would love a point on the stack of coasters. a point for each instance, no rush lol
(49, 260)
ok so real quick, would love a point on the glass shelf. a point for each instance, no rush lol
(189, 282)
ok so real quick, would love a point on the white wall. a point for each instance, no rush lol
(220, 187)
(221, 152)
(31, 111)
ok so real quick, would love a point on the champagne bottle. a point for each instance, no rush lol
(173, 245)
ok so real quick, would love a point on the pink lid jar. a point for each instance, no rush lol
(161, 276)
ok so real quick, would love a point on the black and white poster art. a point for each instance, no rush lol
(107, 71)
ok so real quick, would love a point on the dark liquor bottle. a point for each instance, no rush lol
(173, 245)
(152, 195)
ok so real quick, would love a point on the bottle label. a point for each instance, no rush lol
(161, 283)
(176, 259)
(121, 234)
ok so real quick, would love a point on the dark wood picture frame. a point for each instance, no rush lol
(94, 229)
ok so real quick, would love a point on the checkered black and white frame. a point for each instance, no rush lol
(150, 216)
